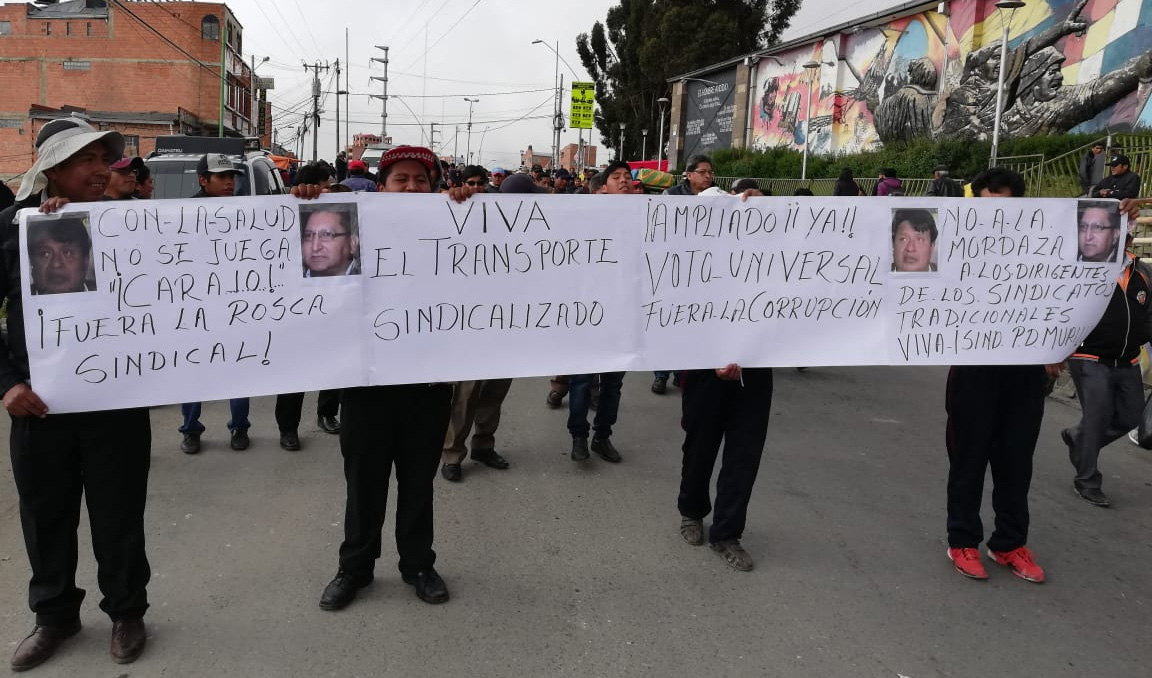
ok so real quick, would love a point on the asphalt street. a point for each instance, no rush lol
(560, 569)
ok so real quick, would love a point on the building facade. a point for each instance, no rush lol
(574, 157)
(142, 68)
(927, 69)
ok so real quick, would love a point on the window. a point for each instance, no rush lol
(68, 28)
(77, 65)
(210, 28)
(131, 145)
(47, 28)
(89, 29)
(5, 28)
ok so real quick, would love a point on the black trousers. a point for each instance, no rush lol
(103, 457)
(737, 414)
(382, 427)
(289, 407)
(994, 415)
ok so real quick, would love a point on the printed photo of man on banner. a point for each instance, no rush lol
(60, 254)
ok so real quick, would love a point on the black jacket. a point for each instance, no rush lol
(945, 187)
(13, 346)
(682, 188)
(1127, 322)
(847, 187)
(1126, 185)
(1088, 172)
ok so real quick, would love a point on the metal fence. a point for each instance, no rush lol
(822, 187)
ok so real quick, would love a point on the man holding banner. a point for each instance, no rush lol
(994, 416)
(385, 426)
(59, 458)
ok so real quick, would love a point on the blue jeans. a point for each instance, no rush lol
(579, 395)
(237, 406)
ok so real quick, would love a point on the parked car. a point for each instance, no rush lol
(173, 166)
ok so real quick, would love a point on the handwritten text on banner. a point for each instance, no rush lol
(207, 299)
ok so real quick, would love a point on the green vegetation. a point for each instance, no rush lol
(642, 43)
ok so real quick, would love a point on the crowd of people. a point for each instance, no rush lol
(993, 412)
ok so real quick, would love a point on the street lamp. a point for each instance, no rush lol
(620, 148)
(644, 144)
(663, 101)
(469, 150)
(1012, 6)
(811, 67)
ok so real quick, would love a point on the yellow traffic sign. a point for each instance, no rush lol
(583, 105)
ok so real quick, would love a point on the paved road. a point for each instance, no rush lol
(564, 570)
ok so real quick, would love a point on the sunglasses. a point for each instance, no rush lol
(476, 183)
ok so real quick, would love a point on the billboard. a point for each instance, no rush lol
(709, 109)
(583, 105)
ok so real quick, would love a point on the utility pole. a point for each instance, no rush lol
(338, 93)
(383, 97)
(432, 137)
(469, 150)
(559, 123)
(315, 68)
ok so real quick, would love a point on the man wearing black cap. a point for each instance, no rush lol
(217, 176)
(58, 459)
(944, 186)
(562, 182)
(1123, 183)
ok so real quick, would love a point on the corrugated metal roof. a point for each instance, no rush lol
(72, 9)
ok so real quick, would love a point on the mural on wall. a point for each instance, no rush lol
(1079, 65)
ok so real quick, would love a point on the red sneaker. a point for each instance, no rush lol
(967, 562)
(1020, 560)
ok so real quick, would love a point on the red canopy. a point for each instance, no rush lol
(661, 165)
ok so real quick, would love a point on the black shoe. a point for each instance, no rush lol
(606, 450)
(128, 639)
(451, 472)
(660, 385)
(190, 444)
(554, 400)
(1066, 436)
(328, 424)
(41, 644)
(240, 440)
(490, 459)
(1094, 496)
(290, 440)
(342, 590)
(579, 449)
(430, 587)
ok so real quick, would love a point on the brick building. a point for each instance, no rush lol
(570, 157)
(141, 68)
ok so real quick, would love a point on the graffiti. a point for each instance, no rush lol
(1071, 65)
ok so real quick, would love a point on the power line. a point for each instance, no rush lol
(307, 27)
(453, 96)
(445, 34)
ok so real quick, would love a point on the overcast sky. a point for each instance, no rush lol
(477, 48)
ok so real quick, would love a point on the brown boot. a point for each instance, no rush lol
(128, 637)
(41, 644)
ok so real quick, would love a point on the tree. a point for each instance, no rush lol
(642, 43)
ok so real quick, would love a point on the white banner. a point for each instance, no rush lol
(134, 303)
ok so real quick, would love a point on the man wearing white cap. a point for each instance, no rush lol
(217, 176)
(59, 458)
